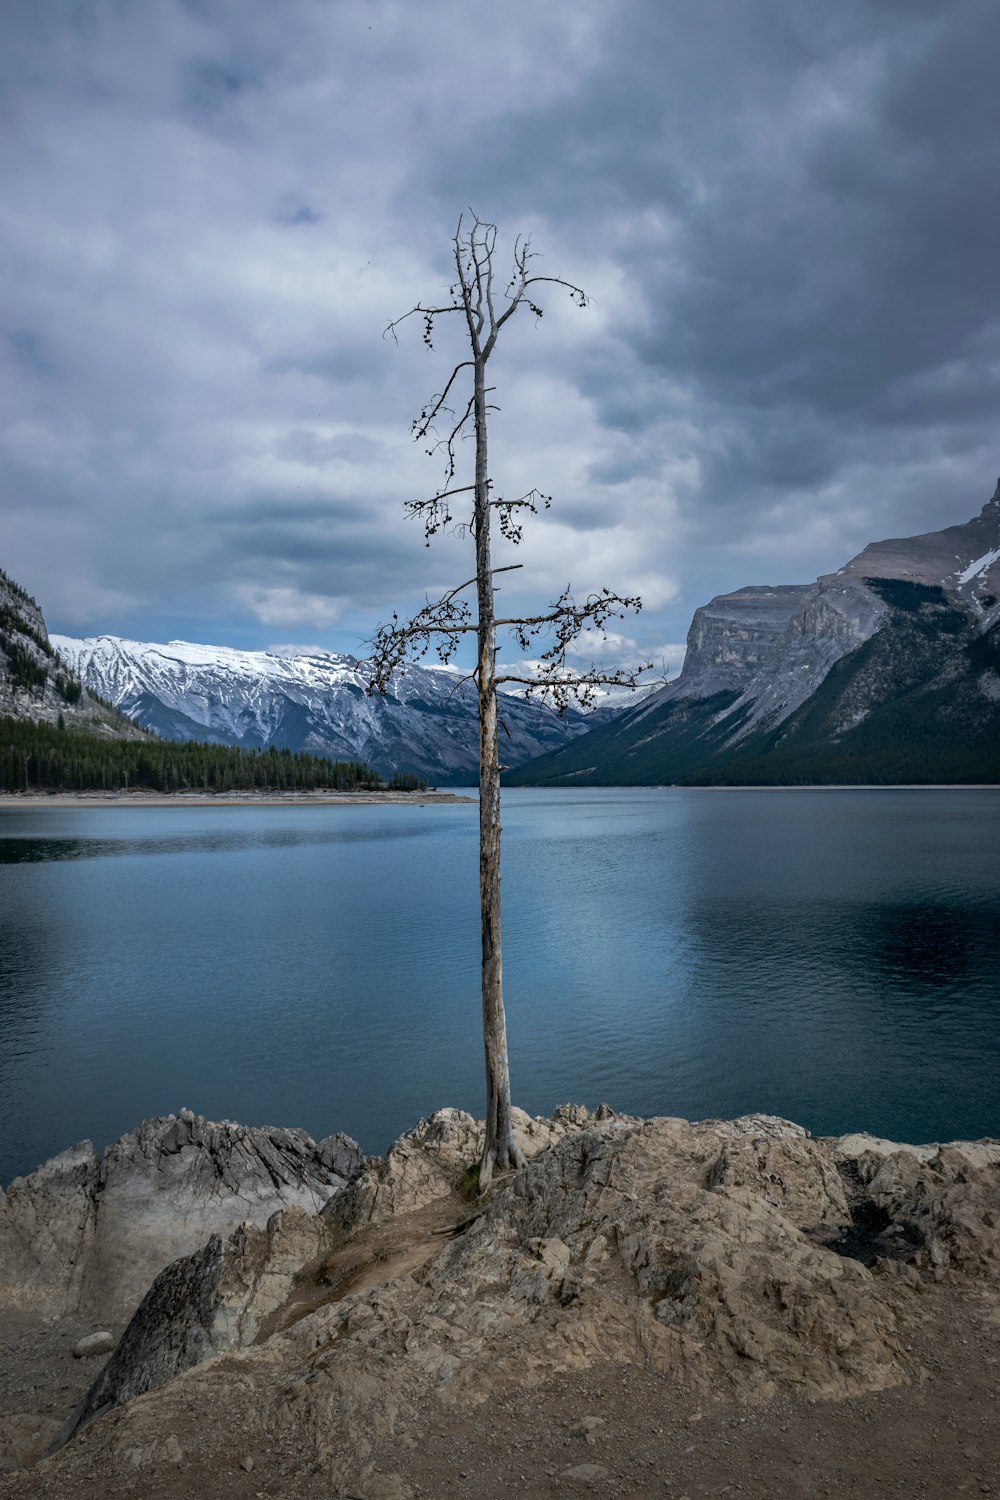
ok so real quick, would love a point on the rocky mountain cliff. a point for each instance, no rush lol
(887, 670)
(315, 702)
(36, 682)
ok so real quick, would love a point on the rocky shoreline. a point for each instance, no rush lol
(285, 1316)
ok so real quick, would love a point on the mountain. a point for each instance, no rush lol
(886, 671)
(316, 702)
(36, 684)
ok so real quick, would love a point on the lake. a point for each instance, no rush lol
(832, 956)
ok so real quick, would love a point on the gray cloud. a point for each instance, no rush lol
(786, 213)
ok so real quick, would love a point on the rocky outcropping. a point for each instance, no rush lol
(942, 1203)
(85, 1235)
(226, 1293)
(726, 1250)
(741, 1257)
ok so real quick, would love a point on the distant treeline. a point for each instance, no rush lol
(46, 758)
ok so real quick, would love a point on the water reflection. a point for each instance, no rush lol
(16, 851)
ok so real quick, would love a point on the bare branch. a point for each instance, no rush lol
(469, 677)
(578, 294)
(421, 425)
(578, 687)
(571, 618)
(439, 624)
(425, 312)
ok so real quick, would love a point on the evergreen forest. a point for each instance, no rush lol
(46, 757)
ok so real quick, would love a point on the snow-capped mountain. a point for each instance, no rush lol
(316, 702)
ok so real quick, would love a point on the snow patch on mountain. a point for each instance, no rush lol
(979, 565)
(317, 701)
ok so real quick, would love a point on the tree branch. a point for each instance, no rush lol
(439, 624)
(420, 426)
(578, 687)
(428, 313)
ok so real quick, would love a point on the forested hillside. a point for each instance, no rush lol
(36, 683)
(42, 757)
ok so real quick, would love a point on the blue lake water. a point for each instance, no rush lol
(830, 956)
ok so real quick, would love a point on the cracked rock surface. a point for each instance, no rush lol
(85, 1235)
(688, 1271)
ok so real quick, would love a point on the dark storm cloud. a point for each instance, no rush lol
(803, 199)
(786, 212)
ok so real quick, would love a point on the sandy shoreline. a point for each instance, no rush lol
(36, 800)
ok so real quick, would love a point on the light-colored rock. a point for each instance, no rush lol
(93, 1345)
(431, 1160)
(781, 1160)
(589, 1428)
(222, 1296)
(688, 1248)
(86, 1235)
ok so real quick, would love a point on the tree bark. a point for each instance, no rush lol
(500, 1151)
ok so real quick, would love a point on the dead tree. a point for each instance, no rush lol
(441, 625)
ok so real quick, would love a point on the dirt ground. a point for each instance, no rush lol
(612, 1430)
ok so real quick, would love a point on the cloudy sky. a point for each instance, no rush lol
(786, 213)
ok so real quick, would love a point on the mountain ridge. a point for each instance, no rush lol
(37, 684)
(312, 701)
(887, 669)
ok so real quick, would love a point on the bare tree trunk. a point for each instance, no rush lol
(500, 1151)
(446, 622)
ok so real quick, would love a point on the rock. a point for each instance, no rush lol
(342, 1156)
(689, 1249)
(94, 1344)
(86, 1235)
(221, 1296)
(202, 1304)
(425, 1163)
(246, 1463)
(431, 1161)
(585, 1476)
(377, 1486)
(700, 1263)
(943, 1197)
(781, 1161)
